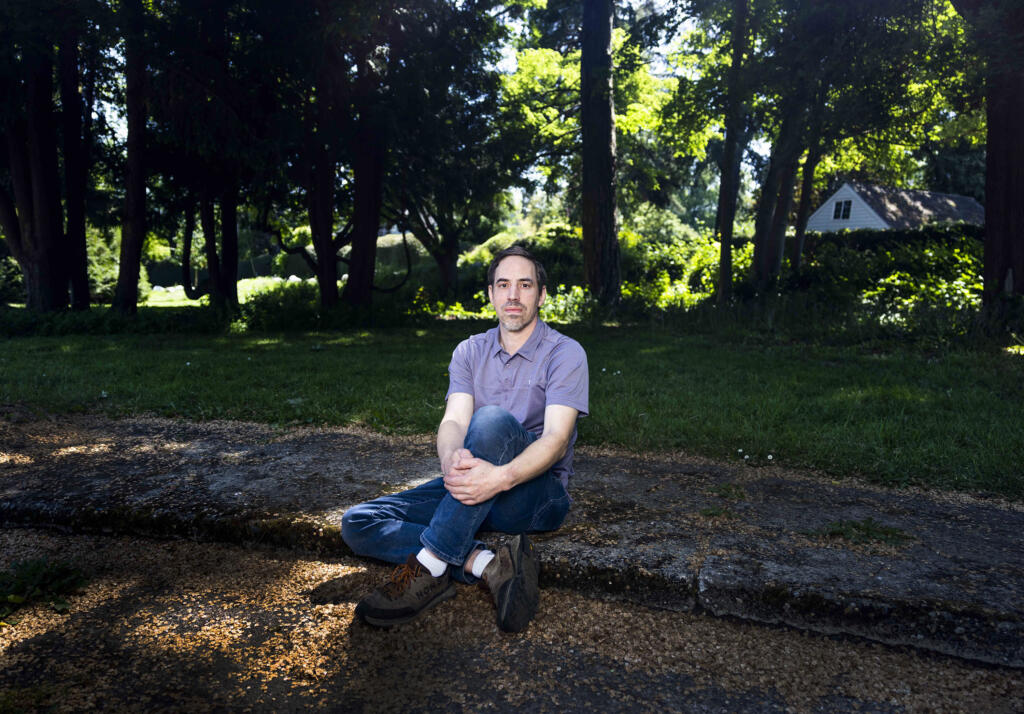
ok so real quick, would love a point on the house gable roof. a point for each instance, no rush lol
(904, 208)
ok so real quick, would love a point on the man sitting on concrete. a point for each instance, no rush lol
(506, 446)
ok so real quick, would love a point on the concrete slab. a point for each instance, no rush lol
(674, 532)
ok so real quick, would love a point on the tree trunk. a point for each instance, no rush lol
(193, 290)
(133, 231)
(368, 176)
(229, 245)
(814, 151)
(765, 252)
(776, 240)
(448, 263)
(999, 27)
(732, 153)
(1004, 177)
(208, 222)
(321, 201)
(597, 125)
(34, 167)
(76, 170)
(804, 211)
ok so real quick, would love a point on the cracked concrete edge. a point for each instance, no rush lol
(942, 627)
(938, 626)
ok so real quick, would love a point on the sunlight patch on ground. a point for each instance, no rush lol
(99, 448)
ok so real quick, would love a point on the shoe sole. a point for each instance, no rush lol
(519, 597)
(446, 594)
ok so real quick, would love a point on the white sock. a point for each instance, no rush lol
(482, 559)
(431, 562)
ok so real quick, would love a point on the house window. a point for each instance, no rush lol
(841, 211)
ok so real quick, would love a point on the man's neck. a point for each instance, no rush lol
(511, 342)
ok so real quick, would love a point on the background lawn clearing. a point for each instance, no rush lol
(947, 420)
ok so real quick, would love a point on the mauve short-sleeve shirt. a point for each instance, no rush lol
(549, 368)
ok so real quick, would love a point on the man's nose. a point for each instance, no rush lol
(513, 291)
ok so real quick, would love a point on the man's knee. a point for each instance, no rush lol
(490, 433)
(491, 421)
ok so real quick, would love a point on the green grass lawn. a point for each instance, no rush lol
(948, 420)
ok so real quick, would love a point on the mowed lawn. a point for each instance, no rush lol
(946, 419)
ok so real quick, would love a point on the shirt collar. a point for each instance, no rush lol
(528, 350)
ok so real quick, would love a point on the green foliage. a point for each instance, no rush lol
(12, 282)
(102, 248)
(569, 304)
(558, 246)
(284, 306)
(897, 278)
(37, 581)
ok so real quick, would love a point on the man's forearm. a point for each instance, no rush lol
(535, 459)
(450, 438)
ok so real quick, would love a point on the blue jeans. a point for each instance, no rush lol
(389, 528)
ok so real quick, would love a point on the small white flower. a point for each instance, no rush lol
(103, 394)
(746, 457)
(602, 369)
(769, 457)
(739, 451)
(188, 364)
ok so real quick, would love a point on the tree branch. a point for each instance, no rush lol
(297, 250)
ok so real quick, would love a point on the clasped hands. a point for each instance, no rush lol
(471, 480)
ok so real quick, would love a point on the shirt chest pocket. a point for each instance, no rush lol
(531, 389)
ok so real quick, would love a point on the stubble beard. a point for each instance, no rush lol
(516, 323)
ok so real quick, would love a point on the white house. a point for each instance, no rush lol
(855, 206)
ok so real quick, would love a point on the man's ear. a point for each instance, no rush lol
(490, 293)
(543, 295)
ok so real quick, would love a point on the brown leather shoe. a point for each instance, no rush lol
(409, 592)
(512, 577)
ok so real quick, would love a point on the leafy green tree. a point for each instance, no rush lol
(839, 69)
(454, 151)
(548, 94)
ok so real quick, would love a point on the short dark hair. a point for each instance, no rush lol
(542, 276)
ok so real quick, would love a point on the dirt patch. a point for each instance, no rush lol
(172, 626)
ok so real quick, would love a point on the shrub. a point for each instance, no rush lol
(568, 304)
(558, 246)
(892, 275)
(283, 306)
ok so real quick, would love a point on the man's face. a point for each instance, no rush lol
(515, 294)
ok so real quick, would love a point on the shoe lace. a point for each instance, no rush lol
(401, 578)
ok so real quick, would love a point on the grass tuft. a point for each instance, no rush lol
(866, 531)
(37, 581)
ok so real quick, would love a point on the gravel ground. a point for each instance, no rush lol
(181, 626)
